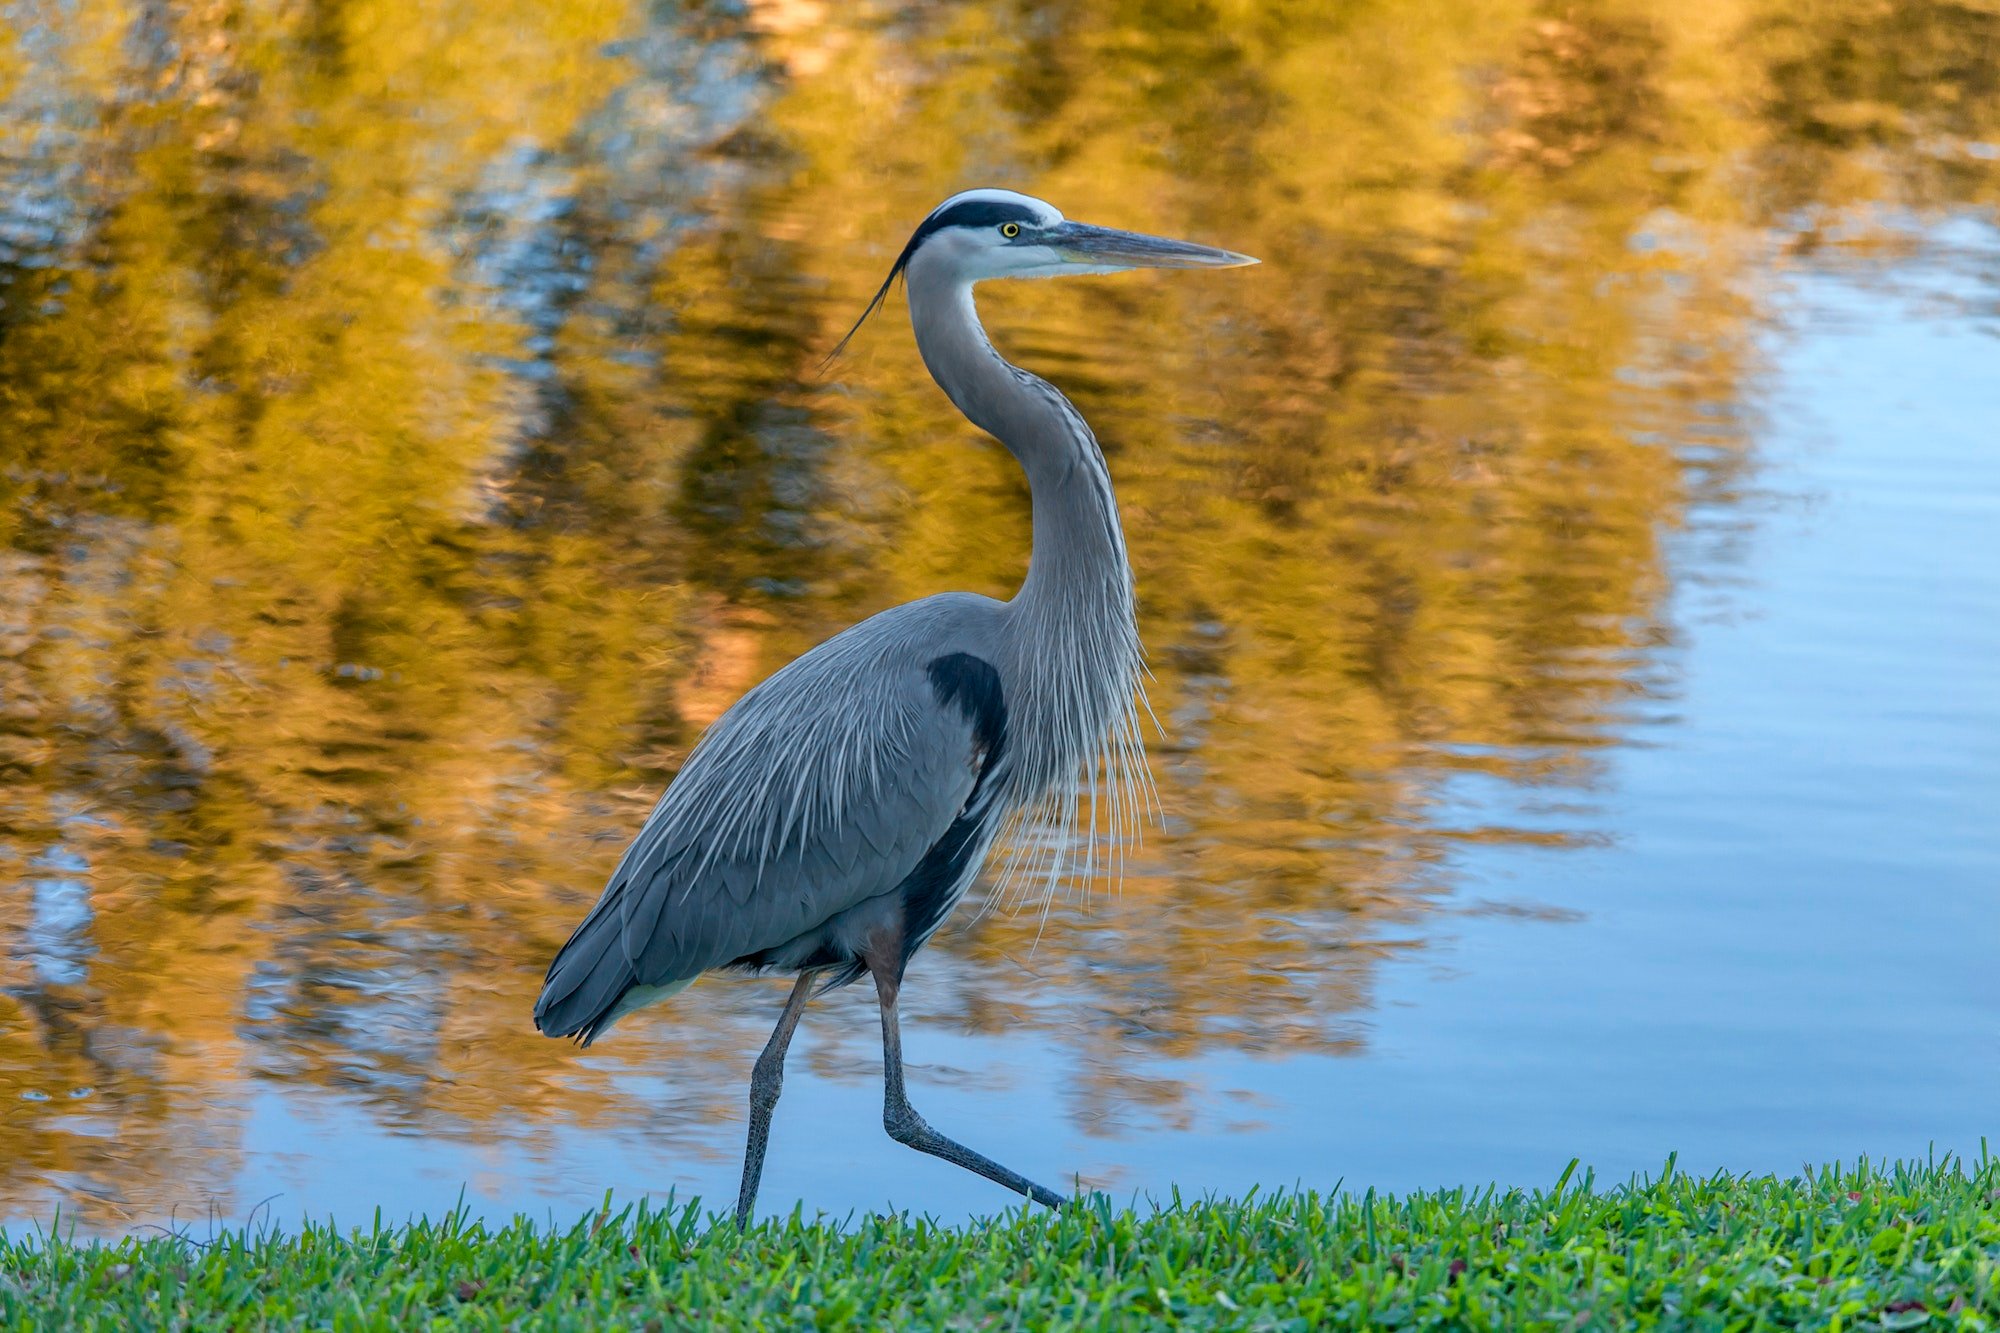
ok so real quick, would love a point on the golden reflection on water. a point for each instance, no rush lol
(412, 434)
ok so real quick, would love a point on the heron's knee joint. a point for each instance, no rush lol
(904, 1125)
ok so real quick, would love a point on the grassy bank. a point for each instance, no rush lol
(1907, 1247)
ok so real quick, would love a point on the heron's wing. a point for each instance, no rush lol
(821, 788)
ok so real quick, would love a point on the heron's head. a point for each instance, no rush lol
(981, 234)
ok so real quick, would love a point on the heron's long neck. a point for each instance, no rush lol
(1078, 564)
(1077, 645)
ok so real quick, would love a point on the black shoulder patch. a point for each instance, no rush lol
(973, 686)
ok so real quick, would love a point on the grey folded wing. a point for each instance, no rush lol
(821, 788)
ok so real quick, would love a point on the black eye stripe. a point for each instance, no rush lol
(968, 213)
(975, 213)
(971, 213)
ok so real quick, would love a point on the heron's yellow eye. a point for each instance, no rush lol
(1010, 229)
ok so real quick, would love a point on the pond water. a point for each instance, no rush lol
(1568, 566)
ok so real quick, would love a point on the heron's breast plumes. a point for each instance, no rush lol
(1078, 789)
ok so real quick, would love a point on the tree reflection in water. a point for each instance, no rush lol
(411, 434)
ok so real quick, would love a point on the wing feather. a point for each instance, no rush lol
(821, 788)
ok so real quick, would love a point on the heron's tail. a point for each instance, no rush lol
(588, 983)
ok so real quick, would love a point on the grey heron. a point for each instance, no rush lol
(830, 820)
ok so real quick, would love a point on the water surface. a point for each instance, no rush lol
(1567, 563)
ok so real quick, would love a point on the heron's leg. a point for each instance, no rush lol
(906, 1126)
(766, 1081)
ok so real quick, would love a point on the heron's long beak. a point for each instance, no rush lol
(1080, 243)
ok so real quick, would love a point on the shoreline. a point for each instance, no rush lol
(1891, 1246)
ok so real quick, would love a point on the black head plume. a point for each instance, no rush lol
(964, 212)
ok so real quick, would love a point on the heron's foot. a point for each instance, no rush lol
(907, 1127)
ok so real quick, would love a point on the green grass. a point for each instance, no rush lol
(1915, 1246)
